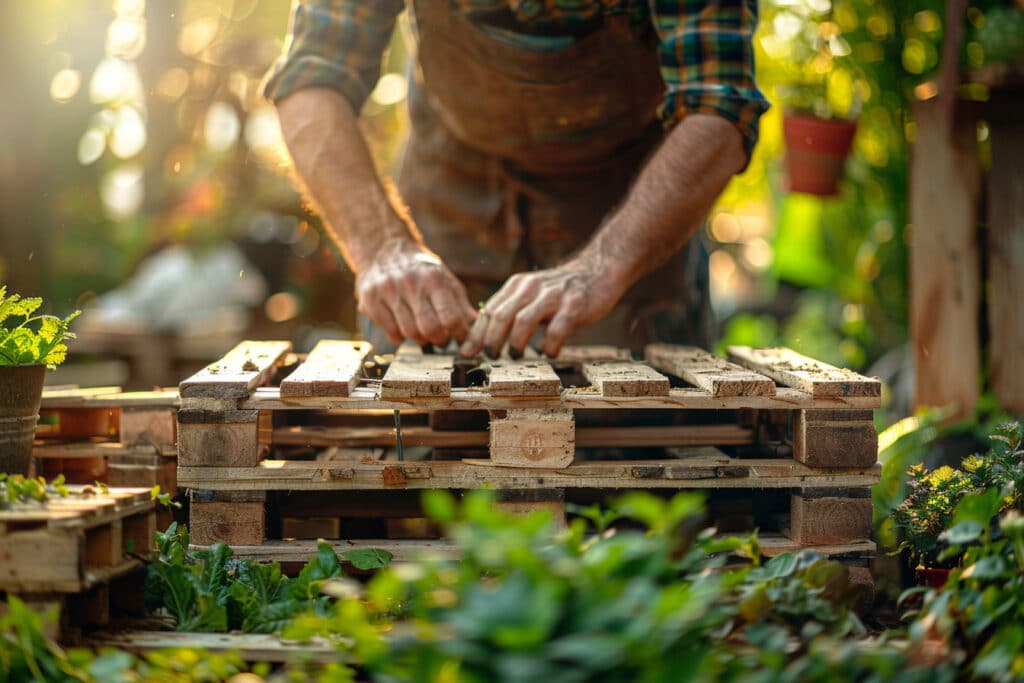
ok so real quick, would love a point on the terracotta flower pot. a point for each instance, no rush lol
(816, 151)
(21, 391)
(932, 577)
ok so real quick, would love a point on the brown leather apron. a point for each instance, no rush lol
(517, 156)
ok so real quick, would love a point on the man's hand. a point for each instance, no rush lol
(410, 294)
(566, 297)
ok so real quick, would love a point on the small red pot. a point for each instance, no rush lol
(816, 151)
(932, 577)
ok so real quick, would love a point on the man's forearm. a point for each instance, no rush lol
(668, 201)
(333, 161)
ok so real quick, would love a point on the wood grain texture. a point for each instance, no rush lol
(806, 374)
(148, 425)
(332, 368)
(252, 647)
(697, 472)
(234, 523)
(625, 378)
(413, 374)
(245, 367)
(945, 277)
(226, 444)
(574, 355)
(829, 519)
(835, 438)
(523, 378)
(543, 438)
(1006, 248)
(714, 374)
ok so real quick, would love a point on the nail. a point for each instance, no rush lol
(514, 353)
(491, 353)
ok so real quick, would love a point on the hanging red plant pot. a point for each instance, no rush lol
(816, 151)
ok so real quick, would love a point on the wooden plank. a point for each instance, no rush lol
(817, 519)
(332, 368)
(234, 522)
(251, 647)
(523, 378)
(574, 355)
(475, 398)
(945, 265)
(625, 378)
(1006, 248)
(146, 425)
(218, 439)
(644, 436)
(109, 397)
(835, 438)
(534, 438)
(806, 374)
(714, 374)
(244, 368)
(296, 475)
(413, 374)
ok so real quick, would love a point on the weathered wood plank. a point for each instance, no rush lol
(523, 378)
(232, 522)
(1006, 248)
(575, 355)
(244, 368)
(475, 398)
(714, 374)
(945, 266)
(413, 374)
(618, 437)
(332, 368)
(625, 378)
(835, 438)
(806, 374)
(826, 518)
(544, 438)
(690, 473)
(218, 439)
(251, 647)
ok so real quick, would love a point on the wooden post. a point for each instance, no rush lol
(534, 438)
(1006, 247)
(835, 438)
(234, 517)
(945, 277)
(830, 515)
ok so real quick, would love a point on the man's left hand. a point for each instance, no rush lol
(566, 298)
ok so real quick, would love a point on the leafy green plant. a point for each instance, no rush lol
(36, 339)
(16, 488)
(212, 591)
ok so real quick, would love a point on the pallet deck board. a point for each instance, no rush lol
(272, 475)
(477, 398)
(332, 368)
(413, 374)
(714, 374)
(811, 376)
(251, 647)
(523, 378)
(245, 367)
(616, 379)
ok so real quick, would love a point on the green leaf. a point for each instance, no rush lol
(979, 508)
(365, 559)
(962, 533)
(322, 567)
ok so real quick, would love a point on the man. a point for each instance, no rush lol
(562, 152)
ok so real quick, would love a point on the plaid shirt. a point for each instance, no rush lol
(707, 59)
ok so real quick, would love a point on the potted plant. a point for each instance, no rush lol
(817, 128)
(29, 344)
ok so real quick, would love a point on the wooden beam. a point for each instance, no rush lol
(1006, 247)
(235, 522)
(695, 472)
(544, 438)
(614, 379)
(945, 265)
(806, 374)
(227, 438)
(245, 367)
(332, 368)
(712, 373)
(830, 516)
(523, 378)
(413, 374)
(835, 438)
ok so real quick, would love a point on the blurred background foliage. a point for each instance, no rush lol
(133, 125)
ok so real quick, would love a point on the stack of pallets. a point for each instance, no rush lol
(781, 442)
(106, 435)
(68, 552)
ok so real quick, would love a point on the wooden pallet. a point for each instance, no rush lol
(123, 439)
(262, 421)
(69, 545)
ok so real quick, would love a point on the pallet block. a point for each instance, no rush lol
(764, 419)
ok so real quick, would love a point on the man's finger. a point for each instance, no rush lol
(528, 319)
(428, 322)
(380, 314)
(455, 316)
(406, 320)
(501, 316)
(559, 329)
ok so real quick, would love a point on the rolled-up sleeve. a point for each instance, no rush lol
(335, 44)
(707, 61)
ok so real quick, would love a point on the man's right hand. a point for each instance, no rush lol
(410, 294)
